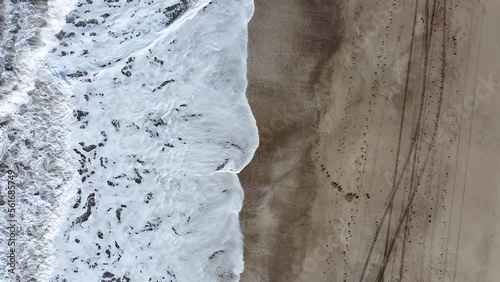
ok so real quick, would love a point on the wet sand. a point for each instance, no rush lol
(289, 43)
(379, 141)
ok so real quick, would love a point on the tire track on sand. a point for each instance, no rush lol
(434, 134)
(398, 150)
(415, 139)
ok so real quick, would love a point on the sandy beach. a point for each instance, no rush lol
(379, 142)
(289, 41)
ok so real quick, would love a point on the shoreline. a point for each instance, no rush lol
(287, 105)
(380, 183)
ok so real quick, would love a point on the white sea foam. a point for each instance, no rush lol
(160, 127)
(34, 142)
(18, 28)
(181, 221)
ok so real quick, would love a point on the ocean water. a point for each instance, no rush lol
(125, 123)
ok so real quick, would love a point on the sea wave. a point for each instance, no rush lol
(146, 102)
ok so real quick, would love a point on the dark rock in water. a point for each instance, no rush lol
(167, 82)
(90, 203)
(89, 148)
(70, 19)
(116, 124)
(175, 231)
(175, 11)
(8, 68)
(78, 74)
(158, 61)
(92, 21)
(60, 35)
(79, 114)
(81, 24)
(107, 274)
(168, 145)
(126, 72)
(159, 122)
(148, 198)
(222, 165)
(119, 214)
(215, 254)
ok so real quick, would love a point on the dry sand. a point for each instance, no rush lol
(380, 144)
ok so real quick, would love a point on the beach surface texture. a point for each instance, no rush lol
(379, 141)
